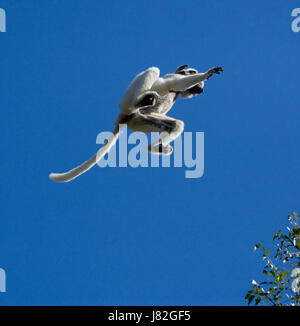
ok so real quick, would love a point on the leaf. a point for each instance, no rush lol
(250, 299)
(296, 229)
(248, 294)
(258, 300)
(276, 235)
(257, 245)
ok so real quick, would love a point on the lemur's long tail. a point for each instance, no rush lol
(74, 173)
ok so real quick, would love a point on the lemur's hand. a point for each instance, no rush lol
(215, 70)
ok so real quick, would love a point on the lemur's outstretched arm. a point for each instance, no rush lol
(179, 83)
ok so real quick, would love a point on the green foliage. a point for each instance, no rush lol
(282, 273)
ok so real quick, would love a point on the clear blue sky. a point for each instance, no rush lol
(144, 236)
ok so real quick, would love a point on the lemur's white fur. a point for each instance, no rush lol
(142, 83)
(143, 108)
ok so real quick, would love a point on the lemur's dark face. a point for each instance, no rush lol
(195, 90)
(182, 71)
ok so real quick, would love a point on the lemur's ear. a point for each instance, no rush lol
(181, 68)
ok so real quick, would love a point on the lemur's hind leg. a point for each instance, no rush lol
(168, 128)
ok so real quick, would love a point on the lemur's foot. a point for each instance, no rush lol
(160, 149)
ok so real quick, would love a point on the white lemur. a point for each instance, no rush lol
(143, 108)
